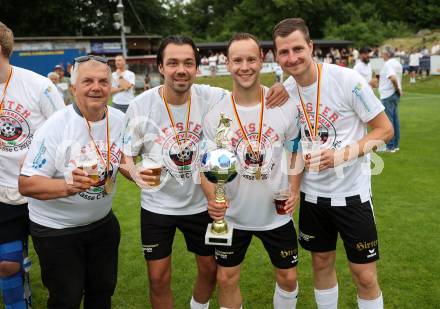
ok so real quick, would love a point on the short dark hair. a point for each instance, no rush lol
(178, 40)
(6, 40)
(241, 36)
(289, 25)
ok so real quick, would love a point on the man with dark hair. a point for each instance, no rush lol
(27, 100)
(363, 66)
(122, 85)
(258, 139)
(336, 106)
(165, 124)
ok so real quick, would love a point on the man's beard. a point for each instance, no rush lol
(366, 61)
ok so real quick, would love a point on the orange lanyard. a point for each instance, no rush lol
(256, 155)
(313, 130)
(4, 91)
(107, 133)
(173, 124)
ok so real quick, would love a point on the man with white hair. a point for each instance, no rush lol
(55, 79)
(69, 175)
(390, 90)
(27, 100)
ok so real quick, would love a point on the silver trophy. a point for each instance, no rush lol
(219, 167)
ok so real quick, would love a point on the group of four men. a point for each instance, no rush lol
(76, 235)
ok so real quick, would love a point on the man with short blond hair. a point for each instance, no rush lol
(259, 135)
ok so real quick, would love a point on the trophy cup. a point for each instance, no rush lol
(219, 167)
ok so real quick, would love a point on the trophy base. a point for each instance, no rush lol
(218, 239)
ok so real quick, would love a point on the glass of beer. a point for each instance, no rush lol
(90, 166)
(155, 164)
(280, 198)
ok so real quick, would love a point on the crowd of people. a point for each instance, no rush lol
(59, 165)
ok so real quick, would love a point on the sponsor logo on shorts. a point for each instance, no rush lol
(288, 252)
(149, 248)
(305, 237)
(222, 254)
(363, 245)
(372, 253)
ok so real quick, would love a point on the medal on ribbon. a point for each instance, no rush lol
(254, 152)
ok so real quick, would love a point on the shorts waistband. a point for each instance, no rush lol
(336, 201)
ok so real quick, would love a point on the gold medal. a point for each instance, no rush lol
(255, 154)
(108, 186)
(258, 173)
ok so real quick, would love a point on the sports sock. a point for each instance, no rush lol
(285, 299)
(370, 304)
(196, 305)
(327, 299)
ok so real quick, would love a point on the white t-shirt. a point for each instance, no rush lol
(55, 152)
(386, 87)
(212, 61)
(30, 100)
(364, 69)
(414, 59)
(251, 200)
(347, 104)
(123, 97)
(148, 130)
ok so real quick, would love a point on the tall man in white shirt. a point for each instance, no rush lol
(27, 100)
(123, 82)
(390, 90)
(363, 66)
(336, 107)
(258, 137)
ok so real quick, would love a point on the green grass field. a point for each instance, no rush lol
(407, 208)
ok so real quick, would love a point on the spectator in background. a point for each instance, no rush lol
(213, 64)
(55, 79)
(390, 90)
(69, 68)
(435, 49)
(414, 63)
(355, 55)
(278, 74)
(328, 58)
(363, 67)
(269, 56)
(122, 85)
(64, 84)
(221, 59)
(424, 51)
(147, 82)
(204, 60)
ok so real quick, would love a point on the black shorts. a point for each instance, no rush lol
(14, 222)
(280, 244)
(319, 225)
(413, 68)
(158, 231)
